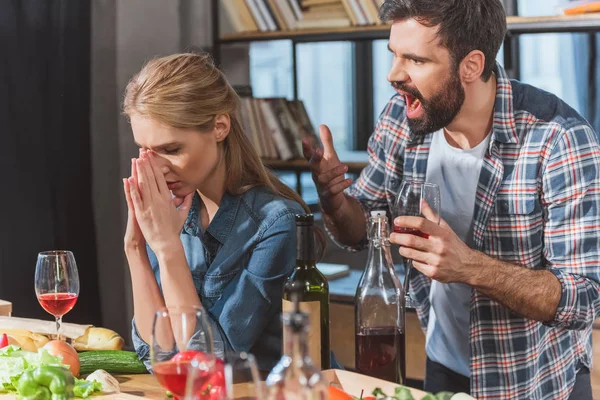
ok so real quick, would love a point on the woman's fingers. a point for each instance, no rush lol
(127, 189)
(161, 182)
(136, 199)
(146, 181)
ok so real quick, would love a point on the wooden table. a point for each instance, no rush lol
(147, 386)
(136, 387)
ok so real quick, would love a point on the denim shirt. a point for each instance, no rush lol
(239, 265)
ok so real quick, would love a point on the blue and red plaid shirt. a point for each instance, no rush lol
(537, 205)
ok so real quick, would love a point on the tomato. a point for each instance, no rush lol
(338, 394)
(187, 355)
(214, 389)
(3, 340)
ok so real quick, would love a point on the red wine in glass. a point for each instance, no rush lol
(56, 283)
(381, 353)
(182, 353)
(173, 376)
(58, 304)
(411, 231)
(416, 199)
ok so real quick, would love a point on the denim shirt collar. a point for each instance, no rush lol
(221, 225)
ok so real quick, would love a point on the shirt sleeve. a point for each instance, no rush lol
(571, 197)
(141, 347)
(251, 303)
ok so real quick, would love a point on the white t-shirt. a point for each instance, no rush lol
(456, 171)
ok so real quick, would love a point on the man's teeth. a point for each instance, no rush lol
(415, 104)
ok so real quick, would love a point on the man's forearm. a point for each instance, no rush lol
(347, 224)
(533, 294)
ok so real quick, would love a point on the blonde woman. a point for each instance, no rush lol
(207, 224)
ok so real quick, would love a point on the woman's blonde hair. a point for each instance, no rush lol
(188, 91)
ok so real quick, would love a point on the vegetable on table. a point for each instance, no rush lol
(214, 388)
(3, 340)
(112, 361)
(46, 383)
(27, 373)
(109, 383)
(338, 394)
(68, 354)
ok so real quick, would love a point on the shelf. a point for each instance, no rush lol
(554, 24)
(313, 35)
(355, 160)
(516, 26)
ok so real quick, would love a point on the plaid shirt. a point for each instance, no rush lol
(537, 205)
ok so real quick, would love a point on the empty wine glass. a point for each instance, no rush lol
(56, 283)
(242, 378)
(179, 336)
(417, 199)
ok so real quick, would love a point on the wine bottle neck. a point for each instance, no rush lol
(379, 251)
(305, 264)
(305, 242)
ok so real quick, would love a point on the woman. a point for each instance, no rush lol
(207, 224)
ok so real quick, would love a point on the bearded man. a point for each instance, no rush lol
(507, 284)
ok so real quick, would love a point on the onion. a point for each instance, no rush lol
(69, 356)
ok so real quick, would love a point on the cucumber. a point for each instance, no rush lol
(112, 361)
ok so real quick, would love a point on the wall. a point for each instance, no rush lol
(125, 34)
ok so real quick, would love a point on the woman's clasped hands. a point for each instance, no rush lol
(154, 215)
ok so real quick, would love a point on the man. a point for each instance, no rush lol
(508, 282)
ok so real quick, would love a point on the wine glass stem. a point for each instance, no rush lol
(407, 279)
(58, 322)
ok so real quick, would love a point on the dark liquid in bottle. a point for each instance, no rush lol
(411, 231)
(381, 353)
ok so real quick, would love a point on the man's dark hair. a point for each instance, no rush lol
(464, 25)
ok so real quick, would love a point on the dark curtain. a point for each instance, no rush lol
(45, 176)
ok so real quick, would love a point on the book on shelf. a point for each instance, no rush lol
(289, 15)
(581, 7)
(276, 126)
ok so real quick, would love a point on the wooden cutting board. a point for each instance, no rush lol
(133, 387)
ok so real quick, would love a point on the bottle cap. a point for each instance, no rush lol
(378, 213)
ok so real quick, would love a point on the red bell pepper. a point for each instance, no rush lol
(3, 341)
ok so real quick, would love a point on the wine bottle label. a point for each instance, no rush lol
(313, 309)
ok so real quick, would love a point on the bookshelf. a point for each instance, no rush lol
(585, 23)
(516, 26)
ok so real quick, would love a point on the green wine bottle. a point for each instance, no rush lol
(314, 292)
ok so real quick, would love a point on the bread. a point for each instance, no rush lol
(99, 339)
(25, 339)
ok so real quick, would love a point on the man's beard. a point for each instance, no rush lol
(440, 110)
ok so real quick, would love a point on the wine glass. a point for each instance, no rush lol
(417, 199)
(56, 283)
(242, 378)
(179, 336)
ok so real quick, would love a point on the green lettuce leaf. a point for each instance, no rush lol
(85, 388)
(14, 362)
